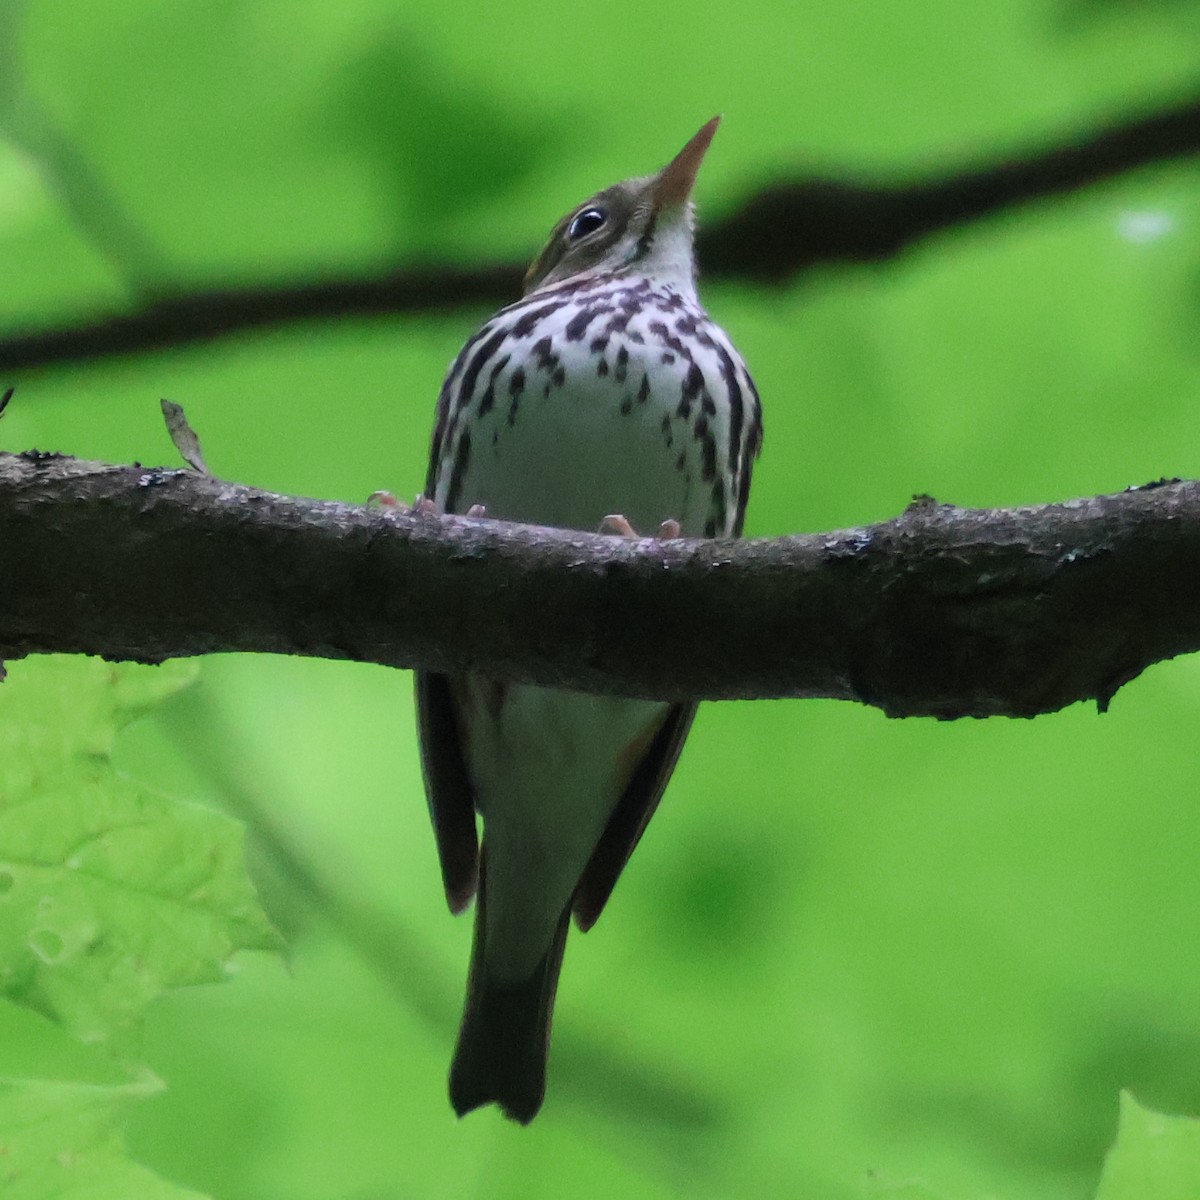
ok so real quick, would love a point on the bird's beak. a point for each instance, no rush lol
(673, 184)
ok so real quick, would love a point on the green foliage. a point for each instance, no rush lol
(110, 895)
(852, 957)
(65, 1140)
(1154, 1155)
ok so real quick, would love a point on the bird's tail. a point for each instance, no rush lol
(505, 1035)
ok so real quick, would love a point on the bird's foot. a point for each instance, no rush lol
(385, 500)
(618, 525)
(422, 506)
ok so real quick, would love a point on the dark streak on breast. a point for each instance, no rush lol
(516, 385)
(488, 398)
(577, 325)
(462, 456)
(527, 323)
(478, 361)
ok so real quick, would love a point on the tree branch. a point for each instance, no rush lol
(942, 611)
(785, 229)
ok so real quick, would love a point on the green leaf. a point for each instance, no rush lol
(1155, 1157)
(63, 1140)
(109, 894)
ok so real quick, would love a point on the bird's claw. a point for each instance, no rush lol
(386, 500)
(618, 525)
(421, 506)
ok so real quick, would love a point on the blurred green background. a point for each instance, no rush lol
(852, 957)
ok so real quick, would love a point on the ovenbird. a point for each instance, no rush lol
(606, 390)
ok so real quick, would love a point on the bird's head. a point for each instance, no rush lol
(645, 223)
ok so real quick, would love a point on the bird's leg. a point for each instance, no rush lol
(618, 524)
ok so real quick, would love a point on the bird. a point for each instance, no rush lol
(605, 399)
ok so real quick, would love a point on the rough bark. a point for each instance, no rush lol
(942, 611)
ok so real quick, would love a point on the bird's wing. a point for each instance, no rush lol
(447, 788)
(631, 815)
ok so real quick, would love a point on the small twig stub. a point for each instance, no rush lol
(184, 437)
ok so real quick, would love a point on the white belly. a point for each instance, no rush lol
(572, 457)
(548, 768)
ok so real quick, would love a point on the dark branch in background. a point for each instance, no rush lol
(180, 320)
(789, 227)
(942, 611)
(782, 231)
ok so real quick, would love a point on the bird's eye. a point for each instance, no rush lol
(586, 221)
